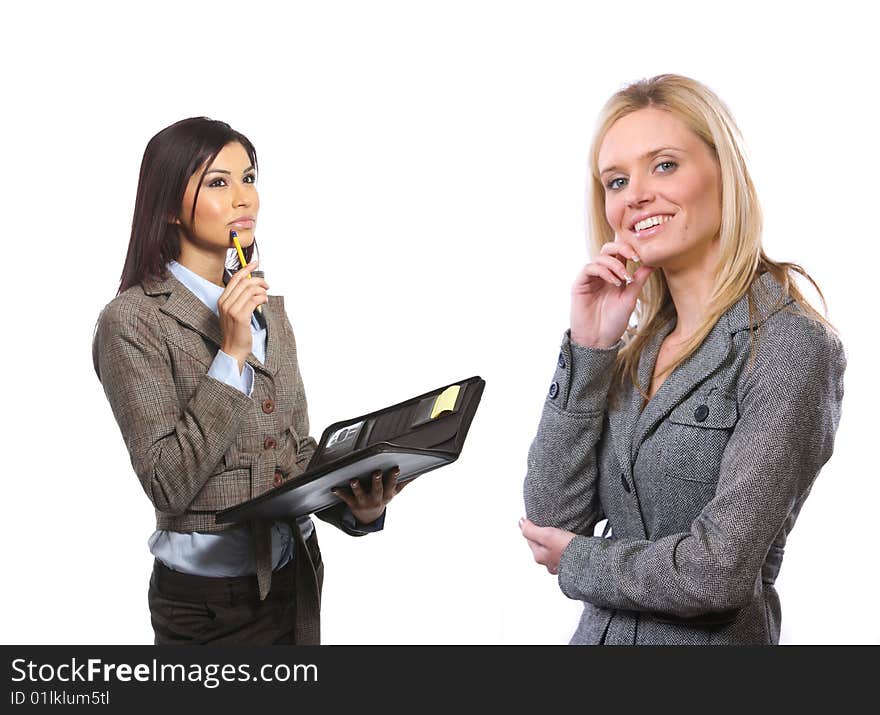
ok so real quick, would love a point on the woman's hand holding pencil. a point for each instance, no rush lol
(236, 306)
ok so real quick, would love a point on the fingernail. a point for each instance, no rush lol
(636, 259)
(354, 484)
(617, 283)
(377, 477)
(628, 280)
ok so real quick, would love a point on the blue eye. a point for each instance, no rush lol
(613, 185)
(667, 163)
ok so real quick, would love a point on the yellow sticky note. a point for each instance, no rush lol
(445, 401)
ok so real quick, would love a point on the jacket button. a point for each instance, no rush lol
(268, 406)
(701, 413)
(554, 390)
(269, 443)
(561, 360)
(625, 483)
(278, 478)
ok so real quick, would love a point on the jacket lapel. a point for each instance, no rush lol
(272, 312)
(682, 381)
(767, 300)
(189, 311)
(624, 414)
(184, 307)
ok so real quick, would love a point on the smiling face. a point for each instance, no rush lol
(227, 200)
(662, 189)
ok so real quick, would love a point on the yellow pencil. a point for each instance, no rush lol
(242, 259)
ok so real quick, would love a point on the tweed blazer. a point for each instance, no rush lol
(197, 444)
(701, 488)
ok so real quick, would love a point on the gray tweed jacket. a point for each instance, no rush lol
(701, 489)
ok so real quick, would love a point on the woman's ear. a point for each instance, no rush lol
(174, 219)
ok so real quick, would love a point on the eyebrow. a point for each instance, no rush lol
(646, 155)
(223, 171)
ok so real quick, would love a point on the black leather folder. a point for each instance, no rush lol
(421, 434)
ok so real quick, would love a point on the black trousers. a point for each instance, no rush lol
(200, 610)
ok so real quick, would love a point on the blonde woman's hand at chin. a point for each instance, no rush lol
(604, 295)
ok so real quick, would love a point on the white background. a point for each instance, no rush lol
(423, 168)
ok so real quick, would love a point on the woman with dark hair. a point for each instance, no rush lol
(208, 396)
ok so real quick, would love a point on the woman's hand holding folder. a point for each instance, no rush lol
(368, 505)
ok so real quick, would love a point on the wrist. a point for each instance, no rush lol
(588, 341)
(367, 516)
(237, 355)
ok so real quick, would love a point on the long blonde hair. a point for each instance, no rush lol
(741, 256)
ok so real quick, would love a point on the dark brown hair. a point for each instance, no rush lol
(170, 159)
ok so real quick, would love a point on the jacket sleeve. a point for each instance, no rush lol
(173, 451)
(789, 412)
(561, 479)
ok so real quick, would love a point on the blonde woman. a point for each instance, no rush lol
(696, 396)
